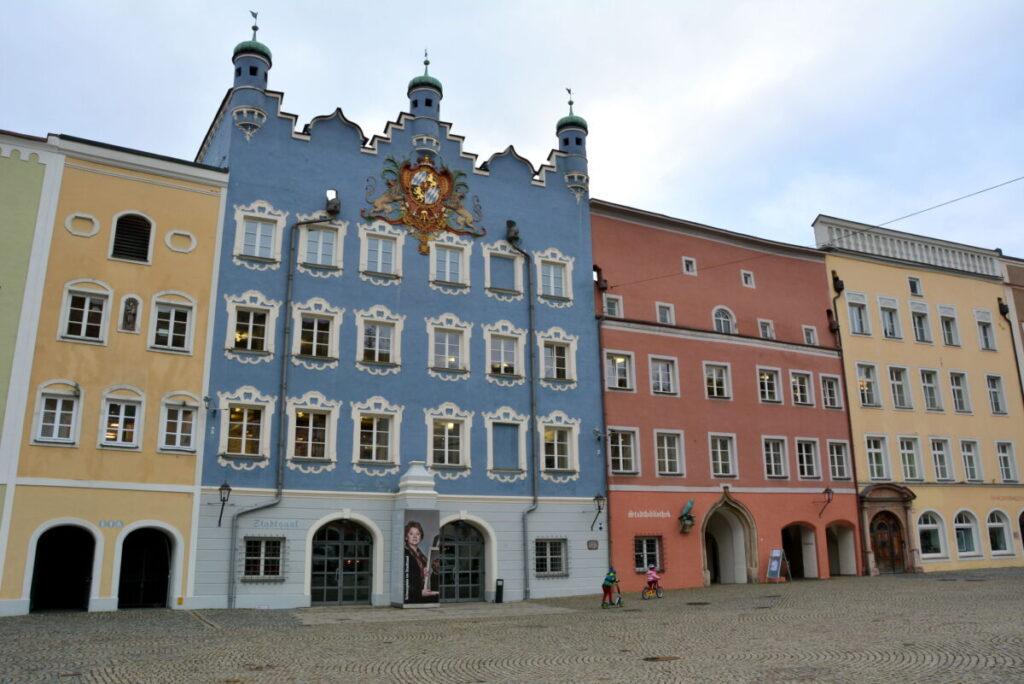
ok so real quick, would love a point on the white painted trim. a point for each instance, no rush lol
(100, 484)
(814, 488)
(170, 245)
(490, 544)
(136, 162)
(681, 436)
(174, 585)
(711, 336)
(149, 243)
(378, 549)
(69, 219)
(97, 555)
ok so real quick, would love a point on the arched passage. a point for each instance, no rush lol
(341, 571)
(842, 550)
(459, 573)
(145, 575)
(801, 551)
(730, 550)
(62, 569)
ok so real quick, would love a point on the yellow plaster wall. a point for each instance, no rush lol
(34, 506)
(173, 205)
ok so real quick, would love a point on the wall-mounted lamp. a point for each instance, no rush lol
(512, 232)
(829, 495)
(333, 207)
(599, 503)
(224, 492)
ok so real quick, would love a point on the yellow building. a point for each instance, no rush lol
(105, 489)
(934, 394)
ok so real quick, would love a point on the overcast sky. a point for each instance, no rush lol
(750, 116)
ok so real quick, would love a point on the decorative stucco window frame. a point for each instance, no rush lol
(89, 288)
(465, 249)
(449, 322)
(379, 314)
(58, 389)
(127, 395)
(317, 403)
(260, 210)
(378, 406)
(502, 248)
(318, 308)
(179, 300)
(552, 255)
(560, 336)
(384, 230)
(451, 412)
(245, 396)
(558, 419)
(181, 400)
(253, 300)
(506, 414)
(505, 328)
(336, 267)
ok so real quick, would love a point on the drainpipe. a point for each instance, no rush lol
(838, 286)
(512, 236)
(1004, 311)
(332, 209)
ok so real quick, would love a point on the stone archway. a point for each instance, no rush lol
(730, 543)
(145, 571)
(62, 571)
(341, 571)
(887, 544)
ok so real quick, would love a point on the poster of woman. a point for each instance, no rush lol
(420, 527)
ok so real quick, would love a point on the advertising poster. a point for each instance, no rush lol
(421, 556)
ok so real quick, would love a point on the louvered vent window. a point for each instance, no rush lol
(131, 238)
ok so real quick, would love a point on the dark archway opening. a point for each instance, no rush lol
(461, 563)
(145, 569)
(62, 573)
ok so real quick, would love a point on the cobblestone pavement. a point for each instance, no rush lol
(949, 627)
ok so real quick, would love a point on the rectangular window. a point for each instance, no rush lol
(723, 457)
(258, 238)
(666, 314)
(310, 434)
(995, 394)
(556, 355)
(503, 273)
(914, 283)
(612, 306)
(891, 320)
(621, 451)
(448, 264)
(810, 334)
(689, 266)
(646, 552)
(120, 428)
(618, 370)
(909, 458)
(747, 278)
(250, 329)
(179, 427)
(448, 349)
(668, 453)
(768, 385)
(950, 331)
(245, 430)
(961, 393)
(837, 461)
(867, 381)
(940, 459)
(716, 381)
(774, 457)
(858, 317)
(380, 255)
(552, 279)
(807, 459)
(263, 558)
(57, 422)
(556, 448)
(1007, 464)
(899, 384)
(320, 244)
(801, 386)
(172, 327)
(377, 341)
(831, 396)
(505, 446)
(931, 391)
(878, 467)
(85, 316)
(922, 329)
(447, 443)
(550, 558)
(986, 334)
(972, 468)
(663, 376)
(503, 355)
(767, 329)
(375, 438)
(315, 336)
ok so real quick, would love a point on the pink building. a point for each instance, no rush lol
(723, 387)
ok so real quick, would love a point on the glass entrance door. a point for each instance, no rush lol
(341, 569)
(462, 563)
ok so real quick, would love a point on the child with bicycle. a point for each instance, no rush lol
(652, 577)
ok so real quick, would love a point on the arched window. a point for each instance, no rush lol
(999, 533)
(724, 321)
(131, 238)
(929, 530)
(966, 537)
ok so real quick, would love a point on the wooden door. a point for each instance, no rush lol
(887, 542)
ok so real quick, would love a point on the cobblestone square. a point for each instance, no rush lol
(947, 627)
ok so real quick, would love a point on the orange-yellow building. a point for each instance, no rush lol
(935, 398)
(103, 485)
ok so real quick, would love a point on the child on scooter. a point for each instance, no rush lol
(610, 580)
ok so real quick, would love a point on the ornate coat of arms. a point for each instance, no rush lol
(424, 199)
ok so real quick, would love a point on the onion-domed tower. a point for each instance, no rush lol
(425, 93)
(572, 140)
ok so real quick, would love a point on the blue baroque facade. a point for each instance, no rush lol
(403, 336)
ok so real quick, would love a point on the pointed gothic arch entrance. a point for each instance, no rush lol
(730, 543)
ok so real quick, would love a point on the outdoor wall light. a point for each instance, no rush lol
(224, 492)
(599, 503)
(829, 495)
(333, 207)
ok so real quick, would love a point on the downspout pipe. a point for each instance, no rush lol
(332, 209)
(512, 237)
(838, 286)
(1004, 311)
(602, 285)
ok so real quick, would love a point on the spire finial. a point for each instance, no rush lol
(426, 63)
(255, 23)
(569, 90)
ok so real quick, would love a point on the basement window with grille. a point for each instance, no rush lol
(131, 238)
